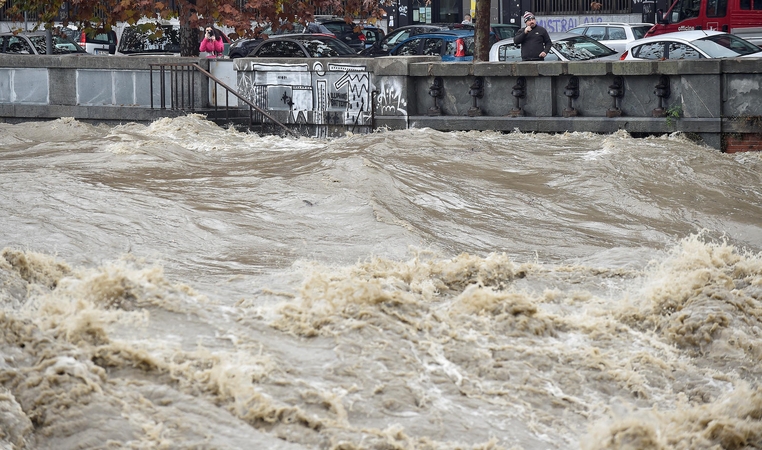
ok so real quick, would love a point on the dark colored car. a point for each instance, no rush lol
(242, 47)
(349, 33)
(450, 45)
(372, 34)
(391, 40)
(34, 43)
(302, 46)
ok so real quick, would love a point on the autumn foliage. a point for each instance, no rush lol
(245, 17)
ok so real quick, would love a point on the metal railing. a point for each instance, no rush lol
(182, 89)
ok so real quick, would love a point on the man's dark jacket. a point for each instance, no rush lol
(533, 43)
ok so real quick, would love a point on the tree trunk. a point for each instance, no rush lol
(189, 40)
(189, 33)
(482, 30)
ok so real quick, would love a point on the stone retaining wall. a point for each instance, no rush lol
(719, 101)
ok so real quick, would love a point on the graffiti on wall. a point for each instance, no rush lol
(562, 24)
(390, 99)
(320, 93)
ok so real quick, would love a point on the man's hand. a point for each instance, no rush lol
(543, 54)
(527, 29)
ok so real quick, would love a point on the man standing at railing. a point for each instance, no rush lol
(534, 40)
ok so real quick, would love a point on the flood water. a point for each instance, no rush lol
(183, 286)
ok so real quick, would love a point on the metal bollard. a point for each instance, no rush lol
(616, 91)
(476, 91)
(436, 91)
(518, 91)
(662, 91)
(571, 91)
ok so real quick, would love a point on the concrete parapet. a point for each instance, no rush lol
(625, 68)
(437, 69)
(741, 65)
(589, 68)
(551, 68)
(494, 69)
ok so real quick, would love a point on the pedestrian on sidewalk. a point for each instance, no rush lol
(534, 40)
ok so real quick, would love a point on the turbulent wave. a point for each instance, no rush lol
(424, 353)
(178, 285)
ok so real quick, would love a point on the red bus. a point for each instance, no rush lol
(740, 17)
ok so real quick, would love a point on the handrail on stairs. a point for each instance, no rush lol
(179, 97)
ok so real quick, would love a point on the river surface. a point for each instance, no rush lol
(183, 286)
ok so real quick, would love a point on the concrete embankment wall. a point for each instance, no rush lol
(715, 100)
(89, 88)
(718, 101)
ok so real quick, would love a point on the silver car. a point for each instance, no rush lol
(695, 44)
(34, 43)
(614, 35)
(566, 47)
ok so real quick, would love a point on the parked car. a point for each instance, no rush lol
(452, 45)
(615, 35)
(103, 43)
(566, 47)
(504, 30)
(302, 46)
(348, 33)
(393, 38)
(34, 43)
(297, 28)
(242, 47)
(372, 34)
(694, 44)
(145, 40)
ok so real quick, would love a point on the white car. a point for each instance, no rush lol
(694, 44)
(614, 35)
(565, 47)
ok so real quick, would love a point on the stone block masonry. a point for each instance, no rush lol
(717, 101)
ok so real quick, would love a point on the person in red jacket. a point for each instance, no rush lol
(211, 44)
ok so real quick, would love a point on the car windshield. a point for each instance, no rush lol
(581, 49)
(297, 28)
(726, 46)
(397, 37)
(640, 32)
(144, 39)
(504, 31)
(328, 48)
(61, 45)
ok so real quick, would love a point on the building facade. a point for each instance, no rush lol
(562, 14)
